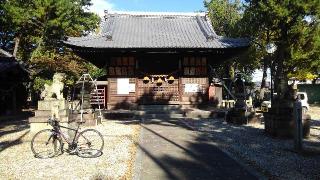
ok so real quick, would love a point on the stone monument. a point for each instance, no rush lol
(280, 120)
(239, 114)
(52, 103)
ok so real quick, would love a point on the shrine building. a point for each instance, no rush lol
(157, 58)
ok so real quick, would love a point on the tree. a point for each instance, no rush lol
(260, 37)
(294, 27)
(38, 28)
(226, 16)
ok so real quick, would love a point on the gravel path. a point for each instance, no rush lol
(18, 162)
(270, 156)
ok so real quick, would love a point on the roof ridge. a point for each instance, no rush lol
(142, 13)
(205, 29)
(5, 53)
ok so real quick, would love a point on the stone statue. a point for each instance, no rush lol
(55, 90)
(240, 93)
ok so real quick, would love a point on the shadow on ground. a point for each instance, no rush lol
(203, 159)
(9, 127)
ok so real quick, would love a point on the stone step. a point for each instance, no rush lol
(44, 119)
(144, 112)
(199, 114)
(162, 113)
(162, 116)
(119, 114)
(160, 107)
(48, 113)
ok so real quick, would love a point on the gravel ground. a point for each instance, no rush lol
(18, 162)
(274, 158)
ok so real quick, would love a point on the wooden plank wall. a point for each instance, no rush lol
(194, 97)
(114, 99)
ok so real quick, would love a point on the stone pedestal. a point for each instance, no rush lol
(240, 113)
(88, 119)
(281, 123)
(46, 108)
(240, 116)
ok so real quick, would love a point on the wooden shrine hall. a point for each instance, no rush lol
(156, 58)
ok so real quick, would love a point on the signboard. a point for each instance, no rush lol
(132, 87)
(123, 86)
(192, 88)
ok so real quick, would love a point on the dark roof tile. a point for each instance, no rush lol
(160, 30)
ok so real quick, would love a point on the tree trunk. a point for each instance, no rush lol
(229, 73)
(16, 46)
(264, 78)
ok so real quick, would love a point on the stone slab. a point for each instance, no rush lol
(88, 119)
(48, 104)
(44, 119)
(35, 127)
(63, 112)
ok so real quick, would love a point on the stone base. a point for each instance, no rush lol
(240, 117)
(48, 104)
(89, 119)
(44, 112)
(35, 127)
(282, 124)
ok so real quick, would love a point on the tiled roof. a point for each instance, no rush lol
(156, 30)
(9, 63)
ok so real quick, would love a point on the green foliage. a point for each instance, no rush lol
(41, 26)
(39, 83)
(302, 75)
(284, 23)
(94, 71)
(225, 15)
(47, 22)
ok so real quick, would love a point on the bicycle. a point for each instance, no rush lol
(48, 143)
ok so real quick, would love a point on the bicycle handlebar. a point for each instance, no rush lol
(53, 121)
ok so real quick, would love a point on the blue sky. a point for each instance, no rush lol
(147, 5)
(159, 5)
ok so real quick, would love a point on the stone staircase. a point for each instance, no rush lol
(45, 111)
(160, 112)
(43, 116)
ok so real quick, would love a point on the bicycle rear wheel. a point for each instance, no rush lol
(45, 144)
(90, 143)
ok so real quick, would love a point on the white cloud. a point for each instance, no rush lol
(98, 6)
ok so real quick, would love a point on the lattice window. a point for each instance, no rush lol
(122, 66)
(194, 66)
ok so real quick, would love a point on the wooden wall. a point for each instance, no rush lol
(198, 97)
(115, 100)
(189, 87)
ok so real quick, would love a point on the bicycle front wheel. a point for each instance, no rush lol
(45, 144)
(90, 143)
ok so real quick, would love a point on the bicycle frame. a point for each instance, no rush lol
(57, 129)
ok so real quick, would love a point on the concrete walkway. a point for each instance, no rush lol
(169, 150)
